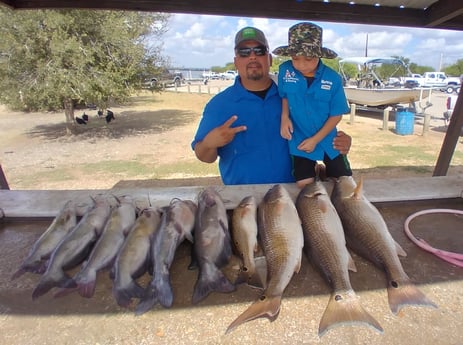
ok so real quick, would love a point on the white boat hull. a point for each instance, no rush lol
(384, 97)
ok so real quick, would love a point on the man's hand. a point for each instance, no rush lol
(342, 142)
(206, 150)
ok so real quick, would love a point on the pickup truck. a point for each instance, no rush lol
(436, 80)
(166, 78)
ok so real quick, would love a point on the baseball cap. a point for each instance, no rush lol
(249, 33)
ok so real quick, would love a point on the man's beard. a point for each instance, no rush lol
(254, 75)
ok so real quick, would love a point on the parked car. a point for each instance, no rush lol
(166, 78)
(229, 75)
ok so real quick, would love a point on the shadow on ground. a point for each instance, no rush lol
(126, 123)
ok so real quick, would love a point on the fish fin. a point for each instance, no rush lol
(148, 301)
(400, 295)
(207, 283)
(86, 282)
(400, 251)
(124, 295)
(343, 309)
(351, 264)
(268, 307)
(189, 237)
(322, 205)
(358, 191)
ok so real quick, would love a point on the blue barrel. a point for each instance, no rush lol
(404, 121)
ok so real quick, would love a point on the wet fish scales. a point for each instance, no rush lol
(176, 225)
(212, 245)
(73, 248)
(281, 237)
(36, 260)
(106, 248)
(325, 245)
(244, 234)
(368, 235)
(133, 258)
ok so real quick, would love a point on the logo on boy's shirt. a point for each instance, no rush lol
(290, 77)
(326, 84)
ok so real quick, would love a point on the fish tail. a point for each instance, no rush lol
(124, 295)
(400, 295)
(47, 282)
(345, 309)
(86, 282)
(206, 283)
(148, 301)
(164, 290)
(268, 307)
(18, 273)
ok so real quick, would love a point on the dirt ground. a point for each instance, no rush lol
(150, 139)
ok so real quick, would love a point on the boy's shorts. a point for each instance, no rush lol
(304, 168)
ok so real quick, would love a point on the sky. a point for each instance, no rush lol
(203, 41)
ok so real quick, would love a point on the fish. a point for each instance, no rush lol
(133, 259)
(281, 237)
(106, 248)
(36, 260)
(212, 245)
(244, 235)
(367, 234)
(325, 245)
(74, 247)
(177, 223)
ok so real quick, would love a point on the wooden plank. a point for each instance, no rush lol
(47, 203)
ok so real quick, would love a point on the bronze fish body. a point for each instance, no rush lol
(325, 245)
(368, 235)
(281, 238)
(212, 245)
(177, 224)
(133, 258)
(244, 234)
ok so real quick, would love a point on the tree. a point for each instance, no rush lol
(53, 60)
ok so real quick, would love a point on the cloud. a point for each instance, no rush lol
(204, 41)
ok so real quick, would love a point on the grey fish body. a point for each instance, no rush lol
(106, 248)
(281, 237)
(134, 257)
(73, 248)
(177, 224)
(40, 252)
(368, 235)
(244, 234)
(325, 244)
(212, 245)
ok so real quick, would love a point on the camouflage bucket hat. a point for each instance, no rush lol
(305, 39)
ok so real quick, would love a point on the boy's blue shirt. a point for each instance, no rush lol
(310, 107)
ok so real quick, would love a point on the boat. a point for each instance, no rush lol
(381, 98)
(371, 91)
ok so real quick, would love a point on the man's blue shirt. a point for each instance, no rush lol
(258, 154)
(310, 107)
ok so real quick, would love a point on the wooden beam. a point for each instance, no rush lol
(3, 181)
(450, 139)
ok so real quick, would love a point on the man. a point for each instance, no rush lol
(241, 125)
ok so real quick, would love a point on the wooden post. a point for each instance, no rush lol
(352, 113)
(385, 119)
(3, 181)
(426, 122)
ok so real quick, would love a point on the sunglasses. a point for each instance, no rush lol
(246, 51)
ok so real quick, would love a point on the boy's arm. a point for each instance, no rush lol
(286, 126)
